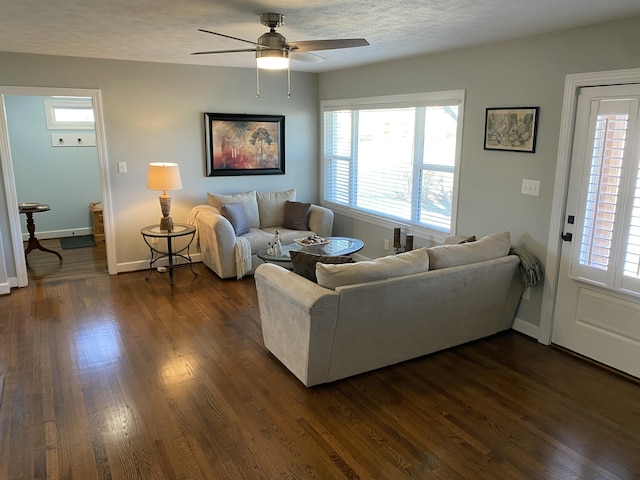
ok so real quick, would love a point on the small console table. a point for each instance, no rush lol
(29, 209)
(179, 230)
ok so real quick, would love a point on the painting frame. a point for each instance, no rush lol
(240, 144)
(512, 129)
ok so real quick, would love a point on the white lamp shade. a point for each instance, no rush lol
(163, 176)
(272, 59)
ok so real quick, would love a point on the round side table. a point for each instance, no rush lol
(179, 230)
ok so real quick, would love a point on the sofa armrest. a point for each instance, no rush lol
(298, 321)
(217, 242)
(321, 220)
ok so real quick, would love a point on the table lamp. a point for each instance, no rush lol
(164, 176)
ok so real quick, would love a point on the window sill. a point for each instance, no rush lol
(418, 231)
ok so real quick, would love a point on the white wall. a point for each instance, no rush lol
(525, 72)
(154, 112)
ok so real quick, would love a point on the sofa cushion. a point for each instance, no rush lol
(271, 207)
(304, 263)
(258, 239)
(333, 276)
(487, 248)
(296, 215)
(247, 199)
(234, 212)
(458, 239)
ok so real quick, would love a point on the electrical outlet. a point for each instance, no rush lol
(386, 244)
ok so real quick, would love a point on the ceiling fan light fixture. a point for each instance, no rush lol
(272, 59)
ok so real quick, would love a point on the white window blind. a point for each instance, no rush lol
(609, 243)
(602, 190)
(396, 160)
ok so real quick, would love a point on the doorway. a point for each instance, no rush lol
(598, 302)
(10, 180)
(552, 307)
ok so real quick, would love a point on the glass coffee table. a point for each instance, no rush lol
(335, 246)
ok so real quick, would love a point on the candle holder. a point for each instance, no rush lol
(408, 240)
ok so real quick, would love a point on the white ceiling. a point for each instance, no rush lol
(166, 30)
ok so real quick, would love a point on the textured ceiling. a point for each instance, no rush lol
(166, 30)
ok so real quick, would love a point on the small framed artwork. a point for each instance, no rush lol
(511, 129)
(239, 144)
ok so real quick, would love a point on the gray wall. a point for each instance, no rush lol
(154, 112)
(525, 72)
(65, 178)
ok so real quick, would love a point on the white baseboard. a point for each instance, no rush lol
(5, 288)
(526, 328)
(144, 264)
(69, 232)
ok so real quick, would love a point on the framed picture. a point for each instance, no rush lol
(244, 144)
(511, 129)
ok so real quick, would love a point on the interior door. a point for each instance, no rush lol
(598, 300)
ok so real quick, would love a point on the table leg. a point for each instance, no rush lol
(170, 253)
(33, 241)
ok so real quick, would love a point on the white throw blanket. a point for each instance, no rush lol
(242, 250)
(193, 216)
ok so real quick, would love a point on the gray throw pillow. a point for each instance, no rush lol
(296, 215)
(304, 264)
(234, 212)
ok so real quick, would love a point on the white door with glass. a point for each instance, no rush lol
(598, 302)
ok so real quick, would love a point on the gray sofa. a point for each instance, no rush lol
(443, 296)
(233, 256)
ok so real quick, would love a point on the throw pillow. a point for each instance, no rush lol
(333, 276)
(487, 248)
(247, 199)
(304, 264)
(234, 212)
(271, 207)
(296, 215)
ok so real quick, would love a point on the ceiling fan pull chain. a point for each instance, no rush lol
(257, 82)
(289, 80)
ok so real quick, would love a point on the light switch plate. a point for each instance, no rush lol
(530, 187)
(122, 167)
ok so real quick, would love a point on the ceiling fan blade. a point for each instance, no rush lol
(306, 46)
(306, 57)
(228, 36)
(226, 51)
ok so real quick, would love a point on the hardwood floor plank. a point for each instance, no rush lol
(117, 377)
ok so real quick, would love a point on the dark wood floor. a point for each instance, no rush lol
(76, 262)
(115, 377)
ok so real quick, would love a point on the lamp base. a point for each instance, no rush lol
(166, 224)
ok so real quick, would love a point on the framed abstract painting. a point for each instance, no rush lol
(238, 144)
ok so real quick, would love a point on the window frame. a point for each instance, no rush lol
(51, 104)
(425, 99)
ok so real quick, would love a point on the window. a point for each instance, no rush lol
(69, 114)
(609, 244)
(394, 159)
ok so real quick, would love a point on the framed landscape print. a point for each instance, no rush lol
(511, 129)
(239, 144)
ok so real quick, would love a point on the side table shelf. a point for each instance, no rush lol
(171, 253)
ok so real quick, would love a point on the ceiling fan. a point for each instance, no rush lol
(273, 50)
